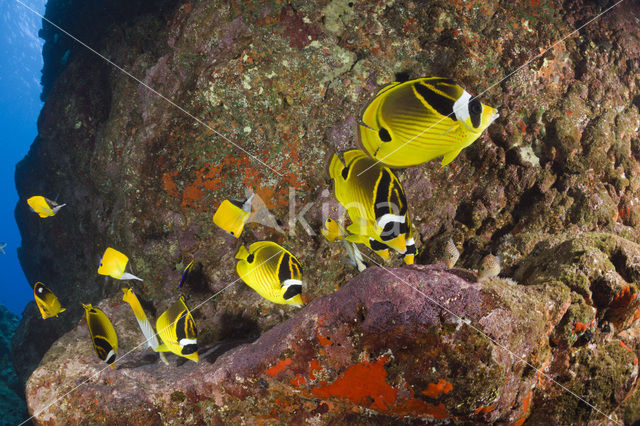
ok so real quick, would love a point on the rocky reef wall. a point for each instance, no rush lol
(551, 187)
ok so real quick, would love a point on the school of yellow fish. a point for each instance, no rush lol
(406, 124)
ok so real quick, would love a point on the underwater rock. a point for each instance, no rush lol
(416, 342)
(287, 81)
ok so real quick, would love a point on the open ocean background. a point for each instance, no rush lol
(20, 104)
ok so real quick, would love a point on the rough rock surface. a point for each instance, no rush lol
(391, 343)
(551, 187)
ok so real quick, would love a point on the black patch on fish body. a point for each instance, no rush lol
(377, 245)
(189, 349)
(111, 359)
(237, 203)
(475, 112)
(411, 249)
(103, 347)
(185, 327)
(250, 258)
(381, 204)
(437, 80)
(390, 231)
(292, 291)
(442, 104)
(384, 135)
(284, 271)
(345, 173)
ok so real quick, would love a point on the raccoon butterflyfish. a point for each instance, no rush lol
(272, 272)
(145, 326)
(47, 302)
(376, 204)
(113, 263)
(412, 122)
(185, 273)
(43, 206)
(232, 215)
(332, 231)
(103, 336)
(178, 332)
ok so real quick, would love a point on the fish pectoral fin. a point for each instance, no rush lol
(449, 156)
(128, 276)
(358, 239)
(454, 127)
(162, 348)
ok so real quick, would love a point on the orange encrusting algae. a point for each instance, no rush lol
(435, 390)
(280, 366)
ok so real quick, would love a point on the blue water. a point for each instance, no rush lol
(20, 67)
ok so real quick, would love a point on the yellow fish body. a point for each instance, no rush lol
(47, 302)
(231, 216)
(375, 202)
(178, 332)
(103, 336)
(43, 206)
(113, 263)
(272, 271)
(146, 327)
(410, 123)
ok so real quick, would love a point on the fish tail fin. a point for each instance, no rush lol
(113, 367)
(128, 276)
(335, 167)
(242, 253)
(56, 208)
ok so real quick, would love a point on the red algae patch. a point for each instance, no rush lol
(435, 390)
(280, 366)
(363, 384)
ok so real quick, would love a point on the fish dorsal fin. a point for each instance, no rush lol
(242, 253)
(351, 155)
(449, 156)
(335, 167)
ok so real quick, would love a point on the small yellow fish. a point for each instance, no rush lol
(375, 202)
(178, 332)
(332, 231)
(43, 206)
(272, 272)
(47, 302)
(103, 336)
(113, 263)
(451, 253)
(232, 215)
(412, 122)
(185, 273)
(489, 267)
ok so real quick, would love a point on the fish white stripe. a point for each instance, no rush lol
(288, 283)
(410, 242)
(461, 106)
(386, 218)
(185, 342)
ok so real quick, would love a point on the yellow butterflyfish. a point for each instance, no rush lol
(145, 326)
(103, 335)
(272, 271)
(47, 302)
(43, 206)
(232, 215)
(376, 204)
(412, 122)
(113, 263)
(178, 332)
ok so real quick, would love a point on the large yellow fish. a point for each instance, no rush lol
(410, 123)
(113, 263)
(272, 272)
(178, 332)
(43, 206)
(103, 336)
(232, 215)
(47, 302)
(375, 202)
